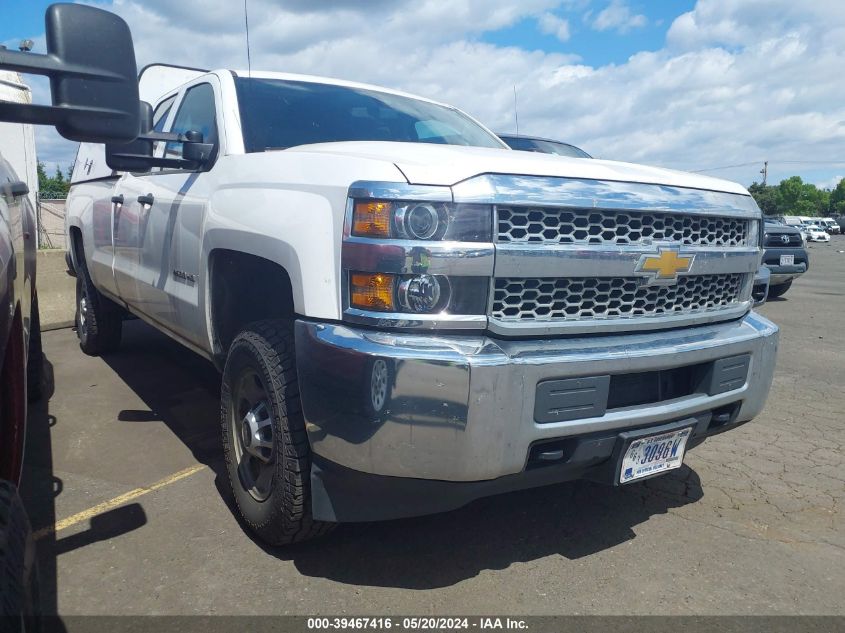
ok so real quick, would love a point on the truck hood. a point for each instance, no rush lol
(447, 165)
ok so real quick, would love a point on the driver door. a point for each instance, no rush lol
(170, 206)
(129, 217)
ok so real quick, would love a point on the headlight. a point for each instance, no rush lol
(422, 293)
(415, 220)
(419, 221)
(412, 258)
(418, 294)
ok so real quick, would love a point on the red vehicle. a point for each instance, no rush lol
(20, 368)
(95, 98)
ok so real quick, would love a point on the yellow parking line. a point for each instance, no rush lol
(114, 503)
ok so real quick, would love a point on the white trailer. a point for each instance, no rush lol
(17, 140)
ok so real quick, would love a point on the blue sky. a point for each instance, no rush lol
(596, 48)
(22, 19)
(686, 84)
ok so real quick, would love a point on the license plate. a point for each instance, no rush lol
(647, 456)
(787, 260)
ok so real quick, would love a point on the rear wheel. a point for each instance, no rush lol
(99, 321)
(779, 290)
(268, 457)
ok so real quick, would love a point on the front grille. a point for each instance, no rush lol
(588, 226)
(572, 299)
(775, 240)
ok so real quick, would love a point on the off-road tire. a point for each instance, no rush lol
(284, 517)
(779, 290)
(103, 324)
(18, 574)
(35, 355)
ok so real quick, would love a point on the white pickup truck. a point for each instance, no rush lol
(407, 314)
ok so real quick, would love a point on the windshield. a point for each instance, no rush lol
(277, 114)
(528, 144)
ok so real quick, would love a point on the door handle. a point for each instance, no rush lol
(147, 200)
(117, 201)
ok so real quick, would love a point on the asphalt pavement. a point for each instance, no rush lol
(124, 460)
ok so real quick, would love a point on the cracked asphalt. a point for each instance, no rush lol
(752, 524)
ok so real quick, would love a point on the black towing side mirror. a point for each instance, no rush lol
(93, 77)
(195, 150)
(137, 156)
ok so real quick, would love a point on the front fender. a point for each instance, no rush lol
(297, 230)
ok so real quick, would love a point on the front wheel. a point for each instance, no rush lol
(268, 457)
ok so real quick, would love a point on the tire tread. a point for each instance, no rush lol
(105, 318)
(291, 521)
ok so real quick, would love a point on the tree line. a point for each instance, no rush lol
(55, 186)
(793, 196)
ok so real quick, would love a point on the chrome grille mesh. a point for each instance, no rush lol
(572, 299)
(588, 226)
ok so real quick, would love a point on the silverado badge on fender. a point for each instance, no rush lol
(663, 268)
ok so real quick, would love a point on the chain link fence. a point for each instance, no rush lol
(50, 209)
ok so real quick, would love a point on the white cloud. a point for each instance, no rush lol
(735, 82)
(827, 183)
(551, 24)
(618, 16)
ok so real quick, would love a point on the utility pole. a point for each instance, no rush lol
(765, 171)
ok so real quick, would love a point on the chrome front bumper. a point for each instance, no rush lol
(461, 408)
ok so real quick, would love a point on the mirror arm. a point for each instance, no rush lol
(49, 115)
(51, 66)
(176, 163)
(162, 136)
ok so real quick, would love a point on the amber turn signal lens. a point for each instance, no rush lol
(372, 291)
(372, 219)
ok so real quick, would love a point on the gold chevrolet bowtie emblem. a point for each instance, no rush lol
(664, 267)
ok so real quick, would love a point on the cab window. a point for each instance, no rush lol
(159, 120)
(161, 112)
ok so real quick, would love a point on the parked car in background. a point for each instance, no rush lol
(784, 255)
(542, 145)
(815, 233)
(20, 380)
(829, 225)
